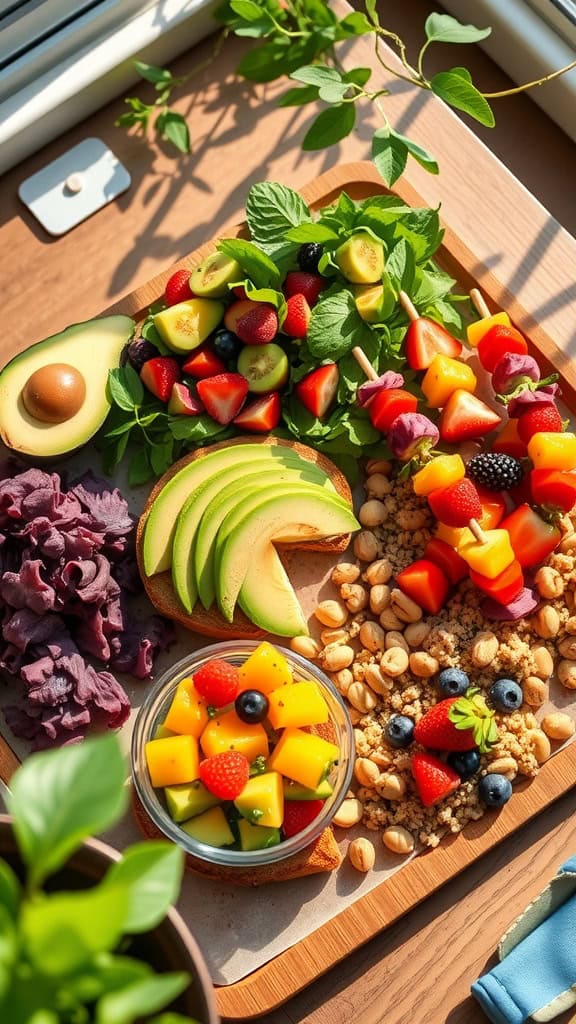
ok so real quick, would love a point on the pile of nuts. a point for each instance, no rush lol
(383, 654)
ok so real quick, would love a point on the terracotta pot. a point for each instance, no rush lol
(168, 947)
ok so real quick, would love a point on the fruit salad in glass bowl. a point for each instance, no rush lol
(242, 753)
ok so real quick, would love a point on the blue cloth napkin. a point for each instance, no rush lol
(536, 977)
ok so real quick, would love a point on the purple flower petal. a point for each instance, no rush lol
(370, 388)
(511, 366)
(529, 399)
(412, 433)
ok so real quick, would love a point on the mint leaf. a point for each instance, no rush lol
(150, 873)
(429, 286)
(119, 391)
(197, 429)
(390, 155)
(311, 233)
(441, 28)
(255, 263)
(335, 326)
(271, 210)
(247, 9)
(140, 470)
(401, 266)
(138, 1000)
(330, 127)
(275, 298)
(455, 87)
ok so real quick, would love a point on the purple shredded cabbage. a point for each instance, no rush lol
(67, 566)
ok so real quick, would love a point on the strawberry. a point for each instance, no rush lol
(555, 488)
(262, 415)
(203, 362)
(499, 341)
(318, 389)
(425, 583)
(465, 417)
(388, 404)
(298, 282)
(434, 779)
(217, 681)
(458, 723)
(240, 291)
(537, 419)
(509, 442)
(425, 339)
(298, 814)
(178, 288)
(532, 539)
(159, 375)
(255, 323)
(297, 318)
(223, 396)
(456, 504)
(446, 558)
(226, 774)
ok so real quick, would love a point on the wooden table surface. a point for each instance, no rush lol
(419, 970)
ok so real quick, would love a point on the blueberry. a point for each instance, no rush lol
(226, 344)
(494, 790)
(251, 706)
(309, 257)
(400, 730)
(506, 695)
(453, 682)
(465, 762)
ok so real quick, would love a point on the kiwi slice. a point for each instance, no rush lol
(264, 366)
(212, 277)
(361, 259)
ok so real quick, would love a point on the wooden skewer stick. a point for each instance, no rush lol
(364, 364)
(479, 302)
(476, 529)
(408, 306)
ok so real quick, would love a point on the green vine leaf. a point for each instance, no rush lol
(298, 97)
(455, 87)
(330, 126)
(390, 154)
(441, 28)
(173, 127)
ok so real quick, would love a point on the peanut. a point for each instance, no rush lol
(365, 546)
(336, 657)
(345, 572)
(372, 636)
(348, 814)
(570, 625)
(416, 633)
(306, 646)
(423, 664)
(535, 691)
(377, 485)
(343, 680)
(372, 513)
(404, 607)
(543, 662)
(549, 582)
(334, 636)
(361, 697)
(484, 648)
(539, 744)
(394, 638)
(566, 672)
(391, 786)
(331, 613)
(378, 466)
(546, 622)
(394, 661)
(567, 647)
(378, 682)
(355, 596)
(398, 839)
(389, 620)
(366, 772)
(379, 598)
(362, 854)
(558, 725)
(379, 572)
(504, 766)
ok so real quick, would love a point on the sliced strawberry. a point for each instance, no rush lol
(555, 488)
(223, 396)
(255, 323)
(465, 417)
(538, 419)
(425, 583)
(425, 339)
(434, 779)
(388, 404)
(178, 288)
(261, 416)
(446, 558)
(297, 318)
(499, 341)
(503, 588)
(456, 504)
(318, 389)
(509, 441)
(532, 539)
(298, 814)
(183, 402)
(159, 375)
(298, 282)
(203, 363)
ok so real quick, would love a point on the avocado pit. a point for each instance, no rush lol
(54, 393)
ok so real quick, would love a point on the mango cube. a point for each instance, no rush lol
(161, 731)
(453, 535)
(491, 556)
(298, 704)
(439, 472)
(303, 757)
(262, 800)
(476, 331)
(444, 376)
(228, 732)
(211, 828)
(188, 712)
(552, 451)
(172, 759)
(265, 669)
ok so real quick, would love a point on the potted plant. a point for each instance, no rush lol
(86, 934)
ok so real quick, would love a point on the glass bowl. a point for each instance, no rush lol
(153, 712)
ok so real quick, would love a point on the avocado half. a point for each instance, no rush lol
(94, 348)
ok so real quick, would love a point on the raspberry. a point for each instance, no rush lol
(217, 681)
(298, 814)
(178, 288)
(226, 774)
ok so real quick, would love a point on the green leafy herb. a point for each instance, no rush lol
(261, 270)
(456, 88)
(335, 327)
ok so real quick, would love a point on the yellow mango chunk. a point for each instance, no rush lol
(552, 451)
(298, 704)
(444, 376)
(439, 472)
(262, 800)
(228, 732)
(491, 556)
(188, 712)
(453, 535)
(266, 669)
(172, 759)
(476, 331)
(302, 757)
(161, 731)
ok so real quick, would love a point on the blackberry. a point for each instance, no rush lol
(495, 471)
(309, 257)
(139, 352)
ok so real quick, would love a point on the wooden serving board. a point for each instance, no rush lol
(282, 977)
